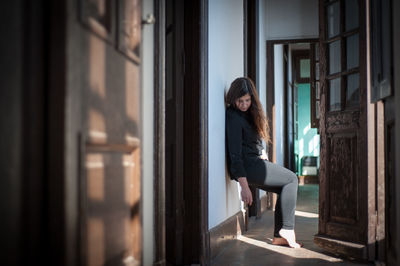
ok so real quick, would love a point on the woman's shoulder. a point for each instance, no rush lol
(232, 111)
(234, 114)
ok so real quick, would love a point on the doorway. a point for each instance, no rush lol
(292, 97)
(304, 154)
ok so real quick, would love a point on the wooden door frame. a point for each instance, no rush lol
(58, 246)
(251, 63)
(296, 55)
(201, 167)
(270, 94)
(250, 38)
(203, 149)
(271, 90)
(159, 133)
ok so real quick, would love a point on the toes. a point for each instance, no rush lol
(294, 245)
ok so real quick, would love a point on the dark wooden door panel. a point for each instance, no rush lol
(342, 122)
(345, 213)
(343, 183)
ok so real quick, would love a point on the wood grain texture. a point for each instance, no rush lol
(344, 180)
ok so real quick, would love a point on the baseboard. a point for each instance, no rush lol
(224, 233)
(342, 248)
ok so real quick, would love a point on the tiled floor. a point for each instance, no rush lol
(254, 248)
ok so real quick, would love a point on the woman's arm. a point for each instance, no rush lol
(234, 142)
(234, 145)
(247, 197)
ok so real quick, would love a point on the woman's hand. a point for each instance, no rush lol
(247, 197)
(264, 155)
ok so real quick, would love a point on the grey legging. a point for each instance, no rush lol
(275, 178)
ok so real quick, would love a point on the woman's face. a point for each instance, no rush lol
(243, 103)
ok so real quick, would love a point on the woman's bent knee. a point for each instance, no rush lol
(294, 178)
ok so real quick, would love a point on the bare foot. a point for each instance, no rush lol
(279, 241)
(290, 237)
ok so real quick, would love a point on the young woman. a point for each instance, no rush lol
(246, 127)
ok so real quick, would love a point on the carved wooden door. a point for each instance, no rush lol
(111, 163)
(345, 223)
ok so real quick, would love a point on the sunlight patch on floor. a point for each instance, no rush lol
(306, 214)
(302, 253)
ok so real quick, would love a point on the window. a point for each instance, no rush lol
(314, 84)
(302, 61)
(380, 49)
(342, 44)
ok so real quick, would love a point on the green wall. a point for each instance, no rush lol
(307, 142)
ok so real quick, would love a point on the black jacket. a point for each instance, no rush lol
(244, 146)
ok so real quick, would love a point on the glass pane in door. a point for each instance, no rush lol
(334, 95)
(352, 94)
(351, 14)
(334, 57)
(304, 68)
(333, 16)
(352, 51)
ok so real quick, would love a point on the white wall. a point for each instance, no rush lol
(262, 52)
(291, 19)
(225, 60)
(279, 103)
(148, 133)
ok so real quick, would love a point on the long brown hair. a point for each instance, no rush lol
(239, 88)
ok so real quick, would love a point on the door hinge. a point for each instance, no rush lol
(149, 20)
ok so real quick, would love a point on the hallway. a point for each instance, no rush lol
(254, 248)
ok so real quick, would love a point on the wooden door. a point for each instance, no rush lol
(346, 213)
(111, 155)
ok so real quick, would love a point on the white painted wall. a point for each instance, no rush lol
(225, 60)
(262, 52)
(291, 19)
(279, 102)
(148, 133)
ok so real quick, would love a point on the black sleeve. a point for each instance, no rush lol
(234, 145)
